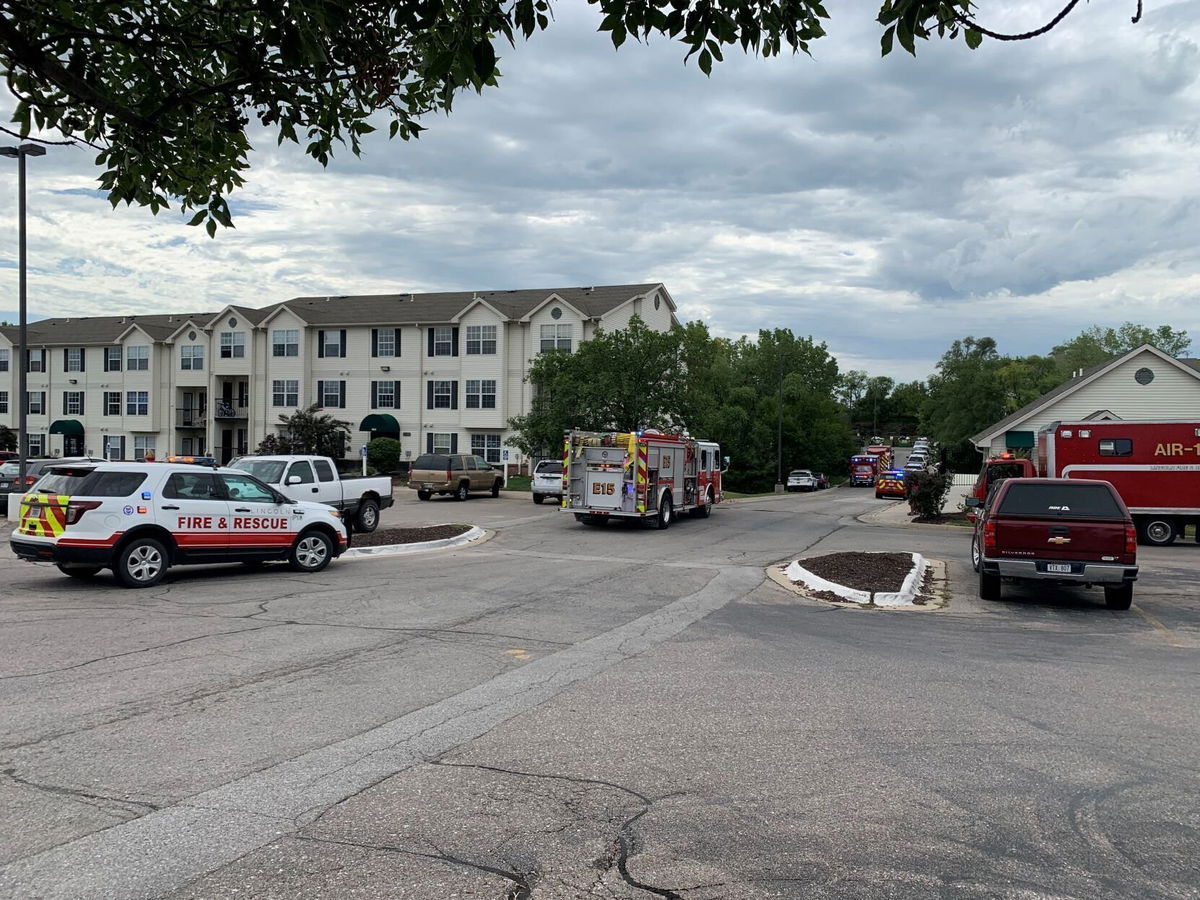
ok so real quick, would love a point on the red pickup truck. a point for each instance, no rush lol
(1058, 530)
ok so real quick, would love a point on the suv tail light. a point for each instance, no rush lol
(449, 474)
(31, 479)
(76, 509)
(989, 535)
(1130, 538)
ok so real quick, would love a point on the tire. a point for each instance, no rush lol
(539, 499)
(665, 510)
(1119, 597)
(367, 519)
(975, 552)
(463, 491)
(1158, 532)
(80, 572)
(989, 586)
(704, 510)
(878, 496)
(496, 487)
(311, 552)
(424, 495)
(142, 563)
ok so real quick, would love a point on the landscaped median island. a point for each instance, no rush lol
(866, 579)
(394, 541)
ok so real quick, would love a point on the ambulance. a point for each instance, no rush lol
(139, 519)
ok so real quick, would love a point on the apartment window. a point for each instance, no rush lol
(35, 444)
(442, 395)
(285, 342)
(137, 359)
(191, 358)
(487, 446)
(332, 393)
(443, 341)
(385, 395)
(72, 403)
(385, 342)
(137, 403)
(285, 392)
(481, 340)
(331, 343)
(73, 359)
(4, 360)
(35, 360)
(35, 403)
(112, 403)
(481, 393)
(112, 359)
(441, 442)
(4, 402)
(556, 337)
(233, 344)
(142, 444)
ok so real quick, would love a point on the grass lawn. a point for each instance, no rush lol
(518, 483)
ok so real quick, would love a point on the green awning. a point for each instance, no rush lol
(1019, 440)
(379, 422)
(72, 427)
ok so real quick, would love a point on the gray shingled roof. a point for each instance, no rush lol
(1065, 387)
(86, 330)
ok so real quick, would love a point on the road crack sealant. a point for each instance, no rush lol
(220, 825)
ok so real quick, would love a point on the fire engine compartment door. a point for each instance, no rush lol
(603, 488)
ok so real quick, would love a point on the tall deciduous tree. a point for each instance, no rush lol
(1097, 345)
(167, 90)
(965, 396)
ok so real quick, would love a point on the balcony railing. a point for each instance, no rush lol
(190, 418)
(234, 409)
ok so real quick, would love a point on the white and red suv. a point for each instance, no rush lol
(139, 519)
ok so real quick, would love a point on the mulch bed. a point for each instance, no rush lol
(954, 518)
(383, 536)
(874, 572)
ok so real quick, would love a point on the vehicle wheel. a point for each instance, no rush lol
(311, 552)
(1158, 532)
(539, 499)
(141, 563)
(79, 571)
(424, 495)
(878, 496)
(665, 511)
(464, 490)
(367, 519)
(704, 510)
(1119, 597)
(496, 487)
(975, 553)
(989, 586)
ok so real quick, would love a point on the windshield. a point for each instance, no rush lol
(268, 470)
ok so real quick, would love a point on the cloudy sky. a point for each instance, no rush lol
(884, 206)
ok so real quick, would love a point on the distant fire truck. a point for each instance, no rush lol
(647, 475)
(1155, 467)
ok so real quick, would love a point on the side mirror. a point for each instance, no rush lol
(293, 479)
(725, 464)
(972, 503)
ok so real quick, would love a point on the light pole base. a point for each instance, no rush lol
(779, 487)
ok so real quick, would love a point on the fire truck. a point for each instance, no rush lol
(1155, 467)
(884, 453)
(862, 470)
(646, 475)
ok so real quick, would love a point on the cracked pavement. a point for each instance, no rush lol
(567, 712)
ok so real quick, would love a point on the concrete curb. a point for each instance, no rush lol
(899, 600)
(475, 534)
(888, 517)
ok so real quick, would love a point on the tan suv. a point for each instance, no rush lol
(453, 473)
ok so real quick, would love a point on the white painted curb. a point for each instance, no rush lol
(903, 597)
(467, 537)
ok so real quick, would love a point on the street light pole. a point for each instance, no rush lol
(22, 306)
(779, 434)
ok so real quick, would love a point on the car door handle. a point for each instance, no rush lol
(241, 509)
(314, 490)
(170, 507)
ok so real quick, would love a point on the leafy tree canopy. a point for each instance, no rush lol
(167, 90)
(1097, 345)
(307, 431)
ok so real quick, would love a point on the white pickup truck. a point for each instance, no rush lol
(315, 478)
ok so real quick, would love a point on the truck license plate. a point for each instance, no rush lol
(428, 485)
(1059, 567)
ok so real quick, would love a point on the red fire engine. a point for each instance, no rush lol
(1155, 467)
(648, 475)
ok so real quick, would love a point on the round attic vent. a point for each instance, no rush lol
(556, 313)
(1144, 375)
(233, 323)
(191, 335)
(657, 301)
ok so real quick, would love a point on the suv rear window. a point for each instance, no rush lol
(549, 467)
(432, 461)
(90, 483)
(1093, 501)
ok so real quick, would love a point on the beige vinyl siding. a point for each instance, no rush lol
(480, 367)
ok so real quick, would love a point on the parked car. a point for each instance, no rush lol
(822, 480)
(33, 472)
(453, 473)
(315, 479)
(801, 480)
(890, 484)
(547, 480)
(1056, 530)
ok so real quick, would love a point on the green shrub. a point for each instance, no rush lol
(926, 492)
(383, 454)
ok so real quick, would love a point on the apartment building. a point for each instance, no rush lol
(439, 372)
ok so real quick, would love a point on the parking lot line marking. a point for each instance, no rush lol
(1170, 635)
